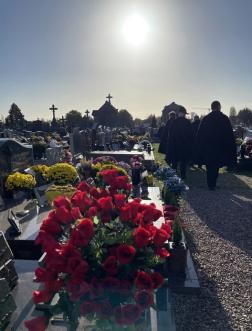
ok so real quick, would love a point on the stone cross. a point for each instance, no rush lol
(87, 112)
(109, 97)
(53, 108)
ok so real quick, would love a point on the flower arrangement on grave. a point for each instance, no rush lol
(62, 174)
(139, 177)
(19, 181)
(104, 159)
(39, 147)
(173, 189)
(163, 173)
(101, 253)
(41, 169)
(40, 172)
(108, 166)
(124, 166)
(57, 190)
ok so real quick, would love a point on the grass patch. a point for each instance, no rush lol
(197, 177)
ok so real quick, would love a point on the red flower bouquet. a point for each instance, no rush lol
(100, 254)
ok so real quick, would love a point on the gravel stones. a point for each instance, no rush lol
(218, 227)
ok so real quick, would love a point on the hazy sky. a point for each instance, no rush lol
(73, 52)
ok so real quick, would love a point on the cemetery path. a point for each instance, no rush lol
(219, 233)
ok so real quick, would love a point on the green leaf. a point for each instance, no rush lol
(96, 220)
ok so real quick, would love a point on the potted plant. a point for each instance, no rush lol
(63, 176)
(20, 184)
(178, 258)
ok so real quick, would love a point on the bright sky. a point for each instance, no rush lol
(145, 53)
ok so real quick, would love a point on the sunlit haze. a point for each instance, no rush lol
(147, 54)
(135, 30)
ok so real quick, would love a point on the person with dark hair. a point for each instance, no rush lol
(215, 143)
(165, 133)
(180, 142)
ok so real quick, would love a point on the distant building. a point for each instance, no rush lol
(167, 109)
(106, 115)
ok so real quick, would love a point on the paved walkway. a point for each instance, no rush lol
(219, 231)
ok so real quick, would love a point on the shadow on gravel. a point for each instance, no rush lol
(202, 312)
(227, 211)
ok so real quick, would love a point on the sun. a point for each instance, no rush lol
(135, 30)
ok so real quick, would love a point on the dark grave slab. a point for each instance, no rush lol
(22, 245)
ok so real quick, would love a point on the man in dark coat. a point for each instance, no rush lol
(165, 133)
(215, 143)
(180, 142)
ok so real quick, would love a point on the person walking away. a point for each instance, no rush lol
(180, 138)
(215, 143)
(165, 133)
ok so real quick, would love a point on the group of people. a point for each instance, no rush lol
(208, 142)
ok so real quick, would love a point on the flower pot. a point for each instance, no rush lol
(57, 190)
(177, 261)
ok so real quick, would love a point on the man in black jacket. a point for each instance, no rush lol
(215, 143)
(180, 139)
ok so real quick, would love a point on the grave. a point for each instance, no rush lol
(53, 155)
(123, 155)
(23, 245)
(80, 141)
(14, 156)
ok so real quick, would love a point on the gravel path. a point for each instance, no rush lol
(218, 227)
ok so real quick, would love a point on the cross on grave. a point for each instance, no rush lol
(109, 97)
(87, 112)
(53, 108)
(63, 120)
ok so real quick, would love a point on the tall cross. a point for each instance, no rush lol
(87, 112)
(53, 108)
(109, 97)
